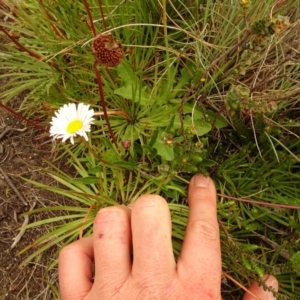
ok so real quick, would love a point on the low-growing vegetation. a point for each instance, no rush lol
(177, 88)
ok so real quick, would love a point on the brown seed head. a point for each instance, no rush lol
(107, 50)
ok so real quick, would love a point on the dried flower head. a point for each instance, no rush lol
(107, 50)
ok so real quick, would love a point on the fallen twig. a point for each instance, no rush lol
(6, 156)
(6, 178)
(8, 129)
(21, 233)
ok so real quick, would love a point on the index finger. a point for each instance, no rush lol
(199, 262)
(75, 269)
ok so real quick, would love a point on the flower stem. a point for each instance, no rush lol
(94, 153)
(22, 117)
(22, 48)
(114, 112)
(103, 104)
(84, 220)
(102, 15)
(56, 30)
(90, 17)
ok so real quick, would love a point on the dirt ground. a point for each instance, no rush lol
(21, 154)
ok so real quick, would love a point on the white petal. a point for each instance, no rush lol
(69, 113)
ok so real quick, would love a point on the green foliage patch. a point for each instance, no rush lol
(203, 86)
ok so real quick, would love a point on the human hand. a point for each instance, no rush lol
(259, 292)
(152, 273)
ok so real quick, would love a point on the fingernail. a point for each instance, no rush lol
(201, 181)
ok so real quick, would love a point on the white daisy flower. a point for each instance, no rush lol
(70, 121)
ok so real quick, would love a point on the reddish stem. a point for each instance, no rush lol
(297, 207)
(90, 17)
(103, 104)
(22, 117)
(102, 15)
(58, 33)
(21, 47)
(114, 112)
(84, 220)
(109, 74)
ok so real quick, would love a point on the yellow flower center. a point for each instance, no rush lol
(74, 126)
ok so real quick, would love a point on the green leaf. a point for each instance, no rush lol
(125, 164)
(148, 150)
(186, 77)
(125, 72)
(207, 163)
(164, 150)
(86, 180)
(129, 91)
(207, 115)
(95, 169)
(153, 138)
(201, 127)
(132, 87)
(219, 122)
(177, 122)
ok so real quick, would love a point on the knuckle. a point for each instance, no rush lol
(205, 230)
(154, 287)
(205, 195)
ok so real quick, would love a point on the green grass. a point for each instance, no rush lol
(204, 86)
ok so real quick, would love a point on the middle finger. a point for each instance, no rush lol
(152, 242)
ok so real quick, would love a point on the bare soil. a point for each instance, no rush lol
(23, 155)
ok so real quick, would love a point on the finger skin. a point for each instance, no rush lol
(112, 246)
(75, 269)
(259, 292)
(152, 242)
(199, 264)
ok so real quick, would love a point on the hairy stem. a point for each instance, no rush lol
(57, 32)
(22, 48)
(103, 104)
(102, 15)
(22, 117)
(90, 17)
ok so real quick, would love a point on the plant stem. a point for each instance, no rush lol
(103, 104)
(21, 47)
(95, 154)
(22, 117)
(102, 15)
(84, 220)
(114, 112)
(164, 21)
(58, 33)
(90, 17)
(262, 203)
